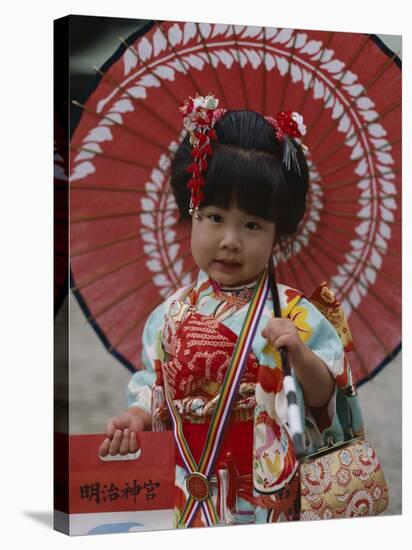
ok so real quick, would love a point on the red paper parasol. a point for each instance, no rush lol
(61, 203)
(127, 250)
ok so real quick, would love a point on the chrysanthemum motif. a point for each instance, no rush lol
(317, 476)
(309, 515)
(361, 504)
(328, 514)
(365, 458)
(343, 476)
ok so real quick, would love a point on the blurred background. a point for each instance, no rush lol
(97, 381)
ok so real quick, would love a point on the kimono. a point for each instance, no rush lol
(190, 338)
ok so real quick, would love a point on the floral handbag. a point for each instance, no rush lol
(342, 481)
(344, 478)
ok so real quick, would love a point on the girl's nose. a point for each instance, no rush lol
(231, 240)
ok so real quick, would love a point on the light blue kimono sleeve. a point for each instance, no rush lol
(139, 390)
(319, 335)
(324, 340)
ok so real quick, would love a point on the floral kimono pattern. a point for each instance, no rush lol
(190, 339)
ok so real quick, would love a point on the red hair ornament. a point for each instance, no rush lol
(201, 113)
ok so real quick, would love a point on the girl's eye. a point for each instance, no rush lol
(253, 225)
(215, 218)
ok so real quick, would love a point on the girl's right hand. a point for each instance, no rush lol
(121, 432)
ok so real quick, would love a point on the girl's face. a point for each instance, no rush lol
(232, 247)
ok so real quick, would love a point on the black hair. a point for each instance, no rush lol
(246, 170)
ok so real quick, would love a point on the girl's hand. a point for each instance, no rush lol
(121, 433)
(313, 374)
(283, 333)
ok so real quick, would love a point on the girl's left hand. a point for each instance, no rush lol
(283, 333)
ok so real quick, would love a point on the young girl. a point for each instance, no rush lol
(241, 180)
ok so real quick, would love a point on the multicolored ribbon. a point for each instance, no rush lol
(222, 411)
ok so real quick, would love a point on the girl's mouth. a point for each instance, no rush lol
(227, 265)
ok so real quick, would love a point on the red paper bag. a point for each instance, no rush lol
(86, 483)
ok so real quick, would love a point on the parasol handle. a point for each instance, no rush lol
(289, 386)
(294, 416)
